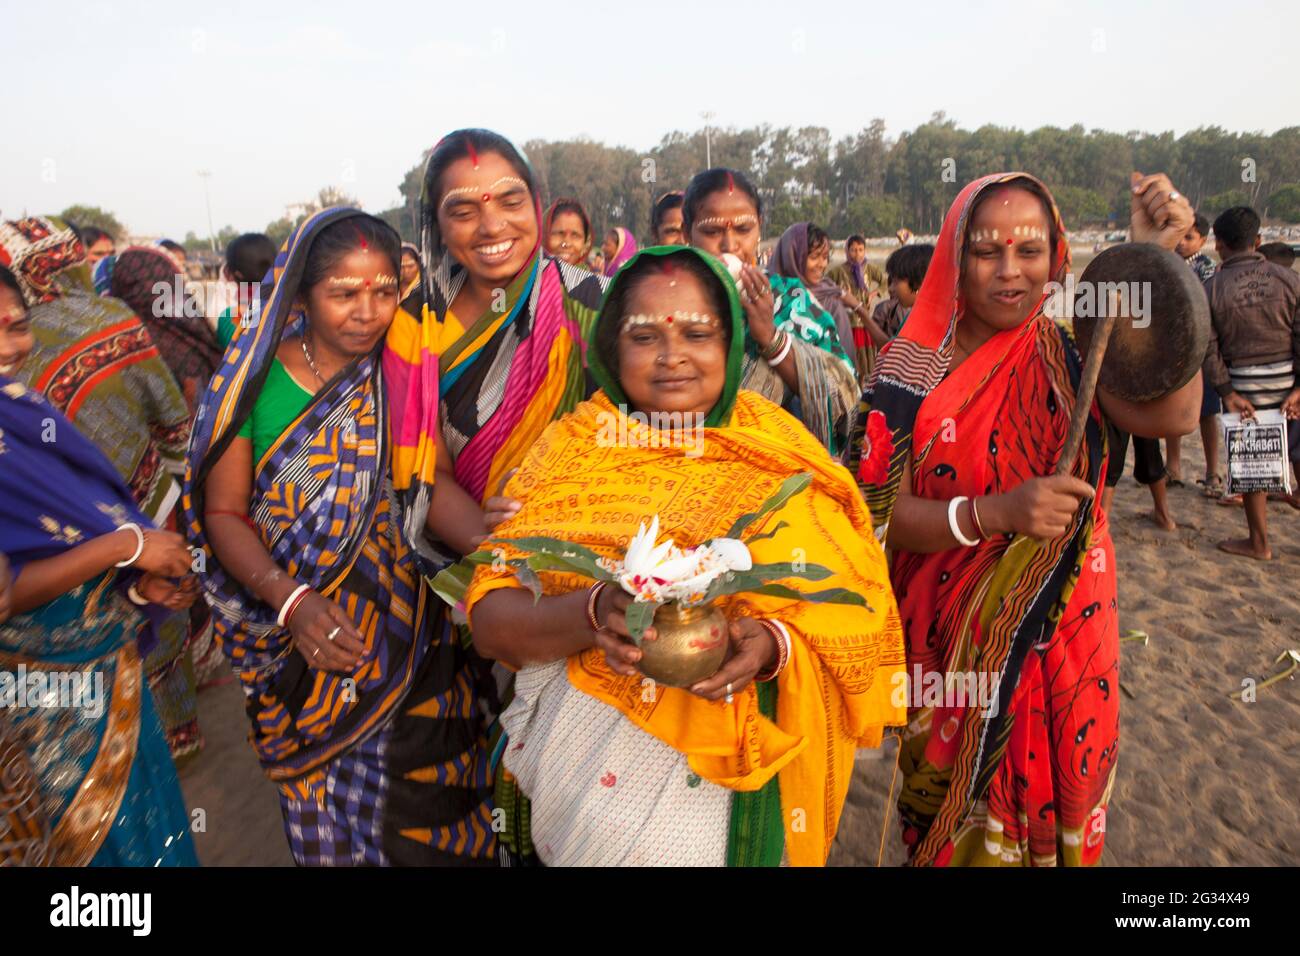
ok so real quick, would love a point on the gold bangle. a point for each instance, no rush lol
(975, 519)
(774, 347)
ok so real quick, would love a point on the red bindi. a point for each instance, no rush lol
(669, 320)
(1008, 242)
(487, 196)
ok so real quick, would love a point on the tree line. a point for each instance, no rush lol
(872, 183)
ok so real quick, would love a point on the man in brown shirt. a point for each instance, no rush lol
(1254, 349)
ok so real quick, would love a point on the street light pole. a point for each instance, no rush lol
(205, 175)
(708, 139)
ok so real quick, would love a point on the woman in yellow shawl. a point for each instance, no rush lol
(751, 766)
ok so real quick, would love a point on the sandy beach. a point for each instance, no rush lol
(1202, 780)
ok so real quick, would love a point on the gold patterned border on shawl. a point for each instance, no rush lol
(81, 832)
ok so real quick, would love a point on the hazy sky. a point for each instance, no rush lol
(120, 104)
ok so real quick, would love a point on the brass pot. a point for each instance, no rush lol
(690, 644)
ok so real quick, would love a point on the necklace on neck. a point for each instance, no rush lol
(306, 352)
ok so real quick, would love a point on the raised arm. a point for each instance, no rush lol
(1158, 214)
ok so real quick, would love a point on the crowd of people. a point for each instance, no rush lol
(268, 492)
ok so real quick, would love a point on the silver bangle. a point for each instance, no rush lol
(139, 546)
(954, 527)
(136, 597)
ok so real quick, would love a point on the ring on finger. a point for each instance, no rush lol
(1174, 194)
(334, 633)
(315, 653)
(730, 697)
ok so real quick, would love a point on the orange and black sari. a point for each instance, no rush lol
(1021, 774)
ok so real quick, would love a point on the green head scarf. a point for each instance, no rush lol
(721, 412)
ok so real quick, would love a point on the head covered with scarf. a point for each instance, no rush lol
(46, 257)
(1031, 616)
(507, 373)
(602, 353)
(625, 248)
(803, 729)
(790, 258)
(916, 361)
(404, 363)
(147, 279)
(96, 361)
(319, 496)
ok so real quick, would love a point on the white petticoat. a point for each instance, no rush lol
(603, 791)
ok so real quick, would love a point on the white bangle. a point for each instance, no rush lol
(289, 602)
(785, 350)
(136, 597)
(139, 544)
(954, 527)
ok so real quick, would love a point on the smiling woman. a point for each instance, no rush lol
(310, 485)
(513, 319)
(750, 766)
(16, 339)
(1005, 569)
(568, 231)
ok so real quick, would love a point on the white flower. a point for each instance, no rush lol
(732, 551)
(733, 264)
(664, 572)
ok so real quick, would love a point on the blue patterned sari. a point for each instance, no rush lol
(384, 764)
(85, 778)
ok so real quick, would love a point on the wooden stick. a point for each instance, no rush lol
(1087, 387)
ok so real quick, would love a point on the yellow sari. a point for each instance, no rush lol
(837, 692)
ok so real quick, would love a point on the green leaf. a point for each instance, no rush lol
(545, 561)
(837, 596)
(739, 582)
(529, 579)
(640, 615)
(550, 546)
(769, 534)
(777, 590)
(789, 488)
(827, 596)
(785, 569)
(451, 583)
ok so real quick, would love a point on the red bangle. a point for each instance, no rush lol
(235, 514)
(592, 598)
(293, 606)
(975, 519)
(782, 652)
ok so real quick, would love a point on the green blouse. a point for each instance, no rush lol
(281, 401)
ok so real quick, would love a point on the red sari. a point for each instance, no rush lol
(1020, 770)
